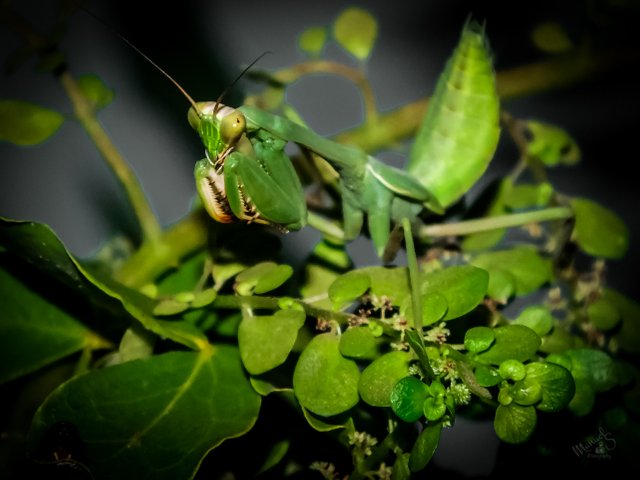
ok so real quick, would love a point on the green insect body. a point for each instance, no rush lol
(368, 186)
(550, 144)
(460, 130)
(245, 176)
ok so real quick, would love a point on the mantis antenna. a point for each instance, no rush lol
(193, 103)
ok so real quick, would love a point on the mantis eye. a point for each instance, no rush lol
(194, 118)
(232, 127)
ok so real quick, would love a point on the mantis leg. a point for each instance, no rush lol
(264, 187)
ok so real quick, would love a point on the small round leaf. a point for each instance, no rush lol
(24, 123)
(379, 378)
(478, 339)
(348, 287)
(312, 40)
(512, 342)
(356, 30)
(599, 231)
(359, 342)
(603, 314)
(514, 423)
(324, 381)
(512, 370)
(556, 383)
(407, 398)
(95, 90)
(537, 318)
(433, 409)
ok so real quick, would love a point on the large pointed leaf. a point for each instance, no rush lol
(158, 417)
(38, 245)
(35, 332)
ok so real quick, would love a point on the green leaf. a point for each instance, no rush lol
(407, 398)
(37, 245)
(313, 40)
(551, 37)
(515, 342)
(598, 231)
(275, 455)
(133, 416)
(348, 287)
(169, 306)
(433, 409)
(95, 90)
(530, 270)
(462, 286)
(425, 446)
(583, 399)
(502, 285)
(379, 378)
(486, 376)
(603, 314)
(24, 123)
(262, 278)
(324, 381)
(628, 338)
(322, 426)
(526, 392)
(266, 341)
(434, 307)
(327, 262)
(537, 318)
(390, 282)
(557, 385)
(595, 366)
(35, 332)
(478, 339)
(512, 370)
(551, 144)
(355, 30)
(529, 195)
(559, 340)
(514, 423)
(359, 343)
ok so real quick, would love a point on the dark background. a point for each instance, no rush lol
(205, 44)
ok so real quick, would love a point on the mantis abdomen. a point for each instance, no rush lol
(460, 130)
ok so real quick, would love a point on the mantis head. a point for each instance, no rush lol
(220, 127)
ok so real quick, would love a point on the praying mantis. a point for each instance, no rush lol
(247, 176)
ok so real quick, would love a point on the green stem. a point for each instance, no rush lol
(153, 258)
(235, 302)
(551, 73)
(324, 226)
(85, 113)
(467, 227)
(414, 277)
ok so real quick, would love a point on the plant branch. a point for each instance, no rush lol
(153, 258)
(548, 74)
(85, 113)
(273, 303)
(289, 75)
(467, 227)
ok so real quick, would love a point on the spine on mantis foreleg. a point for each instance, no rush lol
(460, 130)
